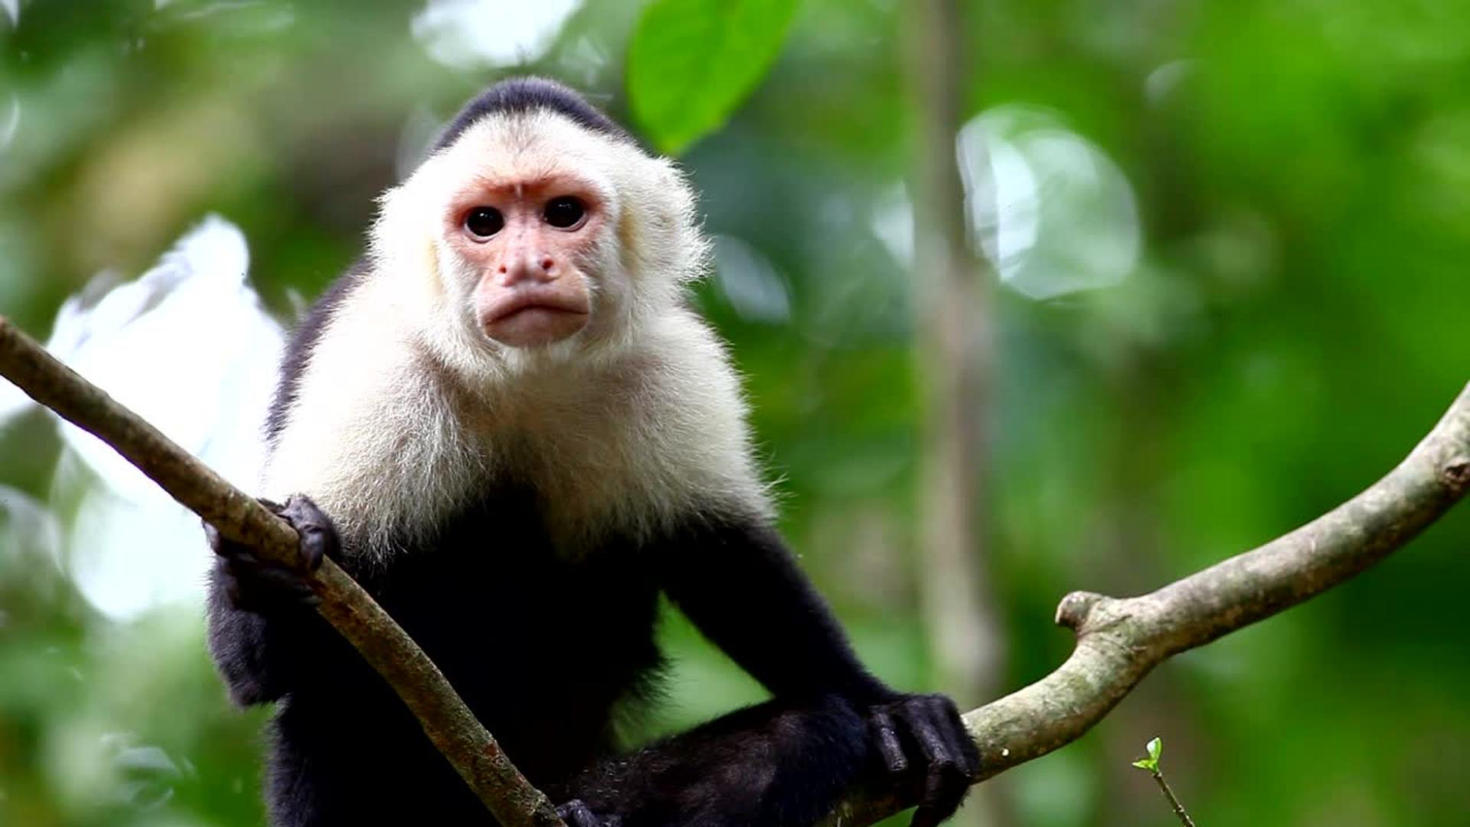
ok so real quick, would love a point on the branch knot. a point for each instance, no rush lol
(1075, 608)
(1456, 474)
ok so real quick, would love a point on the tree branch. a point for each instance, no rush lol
(444, 717)
(1120, 640)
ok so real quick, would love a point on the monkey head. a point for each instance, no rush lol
(530, 231)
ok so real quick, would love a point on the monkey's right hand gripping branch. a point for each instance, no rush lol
(256, 584)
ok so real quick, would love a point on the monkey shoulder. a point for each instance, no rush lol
(689, 429)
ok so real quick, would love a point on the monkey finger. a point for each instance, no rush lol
(313, 548)
(941, 773)
(936, 751)
(940, 720)
(925, 817)
(914, 714)
(962, 746)
(939, 800)
(576, 813)
(230, 550)
(318, 536)
(945, 782)
(943, 793)
(956, 736)
(889, 748)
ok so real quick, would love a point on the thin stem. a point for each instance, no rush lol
(1173, 800)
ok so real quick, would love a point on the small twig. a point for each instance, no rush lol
(445, 718)
(1173, 802)
(1154, 768)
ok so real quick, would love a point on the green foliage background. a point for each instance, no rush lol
(1298, 318)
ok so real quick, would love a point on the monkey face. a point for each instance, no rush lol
(543, 238)
(527, 240)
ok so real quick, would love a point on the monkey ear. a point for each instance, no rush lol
(407, 211)
(667, 225)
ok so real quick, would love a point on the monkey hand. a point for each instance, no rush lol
(576, 813)
(257, 585)
(924, 733)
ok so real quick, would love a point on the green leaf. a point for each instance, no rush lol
(691, 62)
(1151, 763)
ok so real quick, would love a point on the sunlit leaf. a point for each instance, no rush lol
(1151, 763)
(691, 62)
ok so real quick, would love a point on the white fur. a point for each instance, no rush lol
(405, 412)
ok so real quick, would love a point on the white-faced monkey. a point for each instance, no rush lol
(507, 423)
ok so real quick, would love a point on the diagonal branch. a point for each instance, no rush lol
(444, 716)
(1120, 640)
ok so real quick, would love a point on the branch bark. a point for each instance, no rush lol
(1120, 640)
(443, 715)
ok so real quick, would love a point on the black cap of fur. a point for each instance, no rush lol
(526, 95)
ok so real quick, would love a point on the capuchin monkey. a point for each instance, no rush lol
(509, 426)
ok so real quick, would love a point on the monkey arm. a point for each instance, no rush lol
(263, 631)
(737, 581)
(261, 656)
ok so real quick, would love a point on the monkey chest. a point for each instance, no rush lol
(516, 624)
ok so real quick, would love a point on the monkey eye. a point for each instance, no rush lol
(564, 211)
(483, 222)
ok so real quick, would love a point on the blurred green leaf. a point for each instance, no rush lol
(691, 62)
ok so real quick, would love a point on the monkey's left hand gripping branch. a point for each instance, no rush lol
(352, 611)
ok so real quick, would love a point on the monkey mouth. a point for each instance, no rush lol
(534, 318)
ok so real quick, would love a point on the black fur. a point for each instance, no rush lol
(577, 635)
(776, 763)
(487, 594)
(529, 94)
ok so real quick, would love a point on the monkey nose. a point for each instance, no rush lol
(528, 268)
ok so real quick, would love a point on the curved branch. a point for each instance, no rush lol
(1120, 640)
(443, 715)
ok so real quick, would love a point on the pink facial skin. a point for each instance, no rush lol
(526, 238)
